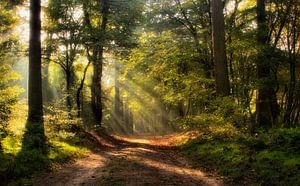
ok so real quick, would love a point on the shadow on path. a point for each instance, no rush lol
(131, 163)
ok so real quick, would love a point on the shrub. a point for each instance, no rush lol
(229, 110)
(8, 97)
(59, 121)
(268, 158)
(19, 161)
(221, 111)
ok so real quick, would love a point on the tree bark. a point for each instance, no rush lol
(97, 88)
(232, 24)
(79, 90)
(181, 109)
(35, 99)
(127, 118)
(266, 104)
(292, 105)
(70, 74)
(69, 92)
(118, 104)
(47, 93)
(98, 62)
(219, 49)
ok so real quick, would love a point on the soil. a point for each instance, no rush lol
(133, 162)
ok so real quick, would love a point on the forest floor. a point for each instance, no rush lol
(132, 161)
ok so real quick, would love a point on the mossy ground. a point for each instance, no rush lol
(267, 158)
(20, 164)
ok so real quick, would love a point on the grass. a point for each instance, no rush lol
(20, 164)
(267, 158)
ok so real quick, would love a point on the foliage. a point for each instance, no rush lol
(8, 45)
(219, 111)
(8, 98)
(60, 120)
(63, 146)
(266, 158)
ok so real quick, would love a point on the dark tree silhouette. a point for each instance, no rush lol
(266, 106)
(35, 100)
(98, 68)
(219, 49)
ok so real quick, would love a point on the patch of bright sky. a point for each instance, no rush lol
(23, 28)
(243, 5)
(23, 12)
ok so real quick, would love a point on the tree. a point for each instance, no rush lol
(95, 44)
(47, 52)
(109, 24)
(98, 66)
(184, 18)
(266, 104)
(118, 106)
(66, 26)
(80, 88)
(219, 49)
(35, 100)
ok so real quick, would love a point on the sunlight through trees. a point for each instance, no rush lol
(225, 71)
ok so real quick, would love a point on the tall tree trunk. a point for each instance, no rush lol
(127, 117)
(181, 109)
(118, 104)
(80, 88)
(70, 74)
(219, 49)
(97, 77)
(130, 121)
(292, 105)
(97, 88)
(127, 112)
(35, 99)
(266, 104)
(69, 92)
(232, 25)
(47, 93)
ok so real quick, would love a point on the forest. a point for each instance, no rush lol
(149, 92)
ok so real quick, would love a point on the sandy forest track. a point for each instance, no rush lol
(136, 162)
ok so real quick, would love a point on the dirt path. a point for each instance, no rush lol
(136, 162)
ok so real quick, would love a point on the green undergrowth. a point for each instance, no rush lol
(62, 146)
(266, 158)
